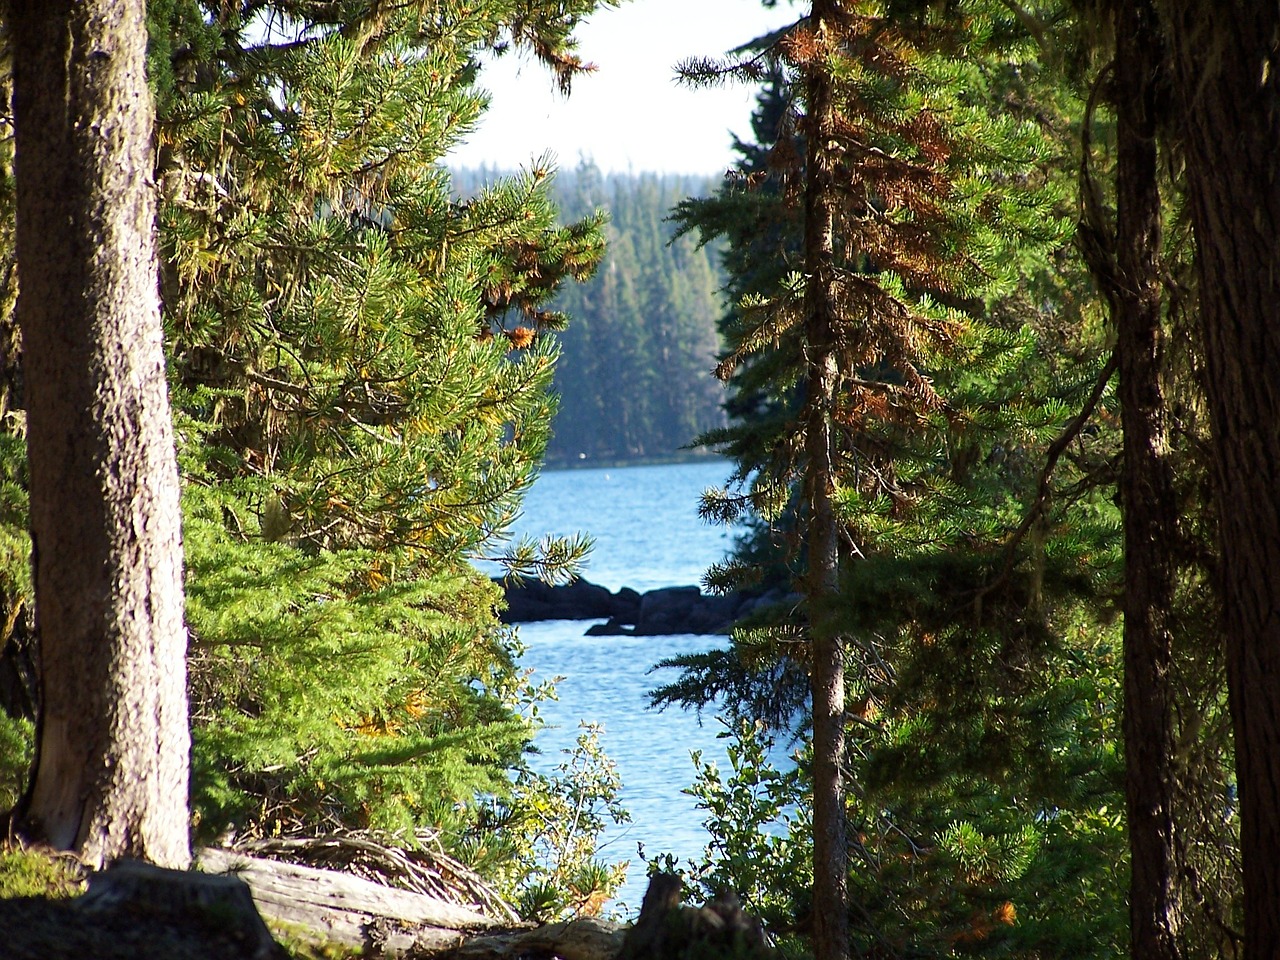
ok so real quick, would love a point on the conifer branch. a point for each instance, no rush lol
(1043, 489)
(1030, 22)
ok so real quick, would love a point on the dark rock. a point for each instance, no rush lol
(630, 598)
(527, 609)
(591, 599)
(614, 628)
(658, 612)
(753, 603)
(580, 600)
(670, 610)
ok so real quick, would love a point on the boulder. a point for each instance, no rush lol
(668, 610)
(581, 600)
(628, 613)
(629, 600)
(614, 627)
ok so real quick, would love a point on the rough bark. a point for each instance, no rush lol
(1226, 59)
(830, 847)
(111, 775)
(1148, 498)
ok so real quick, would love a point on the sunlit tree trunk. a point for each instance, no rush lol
(113, 744)
(1226, 59)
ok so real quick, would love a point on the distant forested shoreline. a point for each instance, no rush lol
(634, 377)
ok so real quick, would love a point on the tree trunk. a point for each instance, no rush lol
(113, 744)
(1226, 60)
(830, 848)
(1147, 495)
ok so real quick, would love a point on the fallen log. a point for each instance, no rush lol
(350, 910)
(141, 912)
(423, 868)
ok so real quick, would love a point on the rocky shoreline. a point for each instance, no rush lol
(627, 612)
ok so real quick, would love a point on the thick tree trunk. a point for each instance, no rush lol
(1226, 59)
(1147, 494)
(111, 777)
(830, 847)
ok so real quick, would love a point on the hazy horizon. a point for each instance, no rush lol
(629, 116)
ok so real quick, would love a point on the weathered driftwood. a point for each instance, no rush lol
(422, 869)
(346, 909)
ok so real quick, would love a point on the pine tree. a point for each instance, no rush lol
(960, 572)
(363, 370)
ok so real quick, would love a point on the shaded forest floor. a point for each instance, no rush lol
(36, 928)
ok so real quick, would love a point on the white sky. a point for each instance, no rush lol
(630, 115)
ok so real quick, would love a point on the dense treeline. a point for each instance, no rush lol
(633, 373)
(889, 451)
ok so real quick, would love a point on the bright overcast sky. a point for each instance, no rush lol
(630, 114)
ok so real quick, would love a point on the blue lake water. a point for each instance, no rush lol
(648, 534)
(605, 680)
(644, 520)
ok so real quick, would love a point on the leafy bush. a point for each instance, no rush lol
(541, 842)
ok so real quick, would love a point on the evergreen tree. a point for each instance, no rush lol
(361, 376)
(644, 335)
(632, 381)
(1134, 235)
(978, 609)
